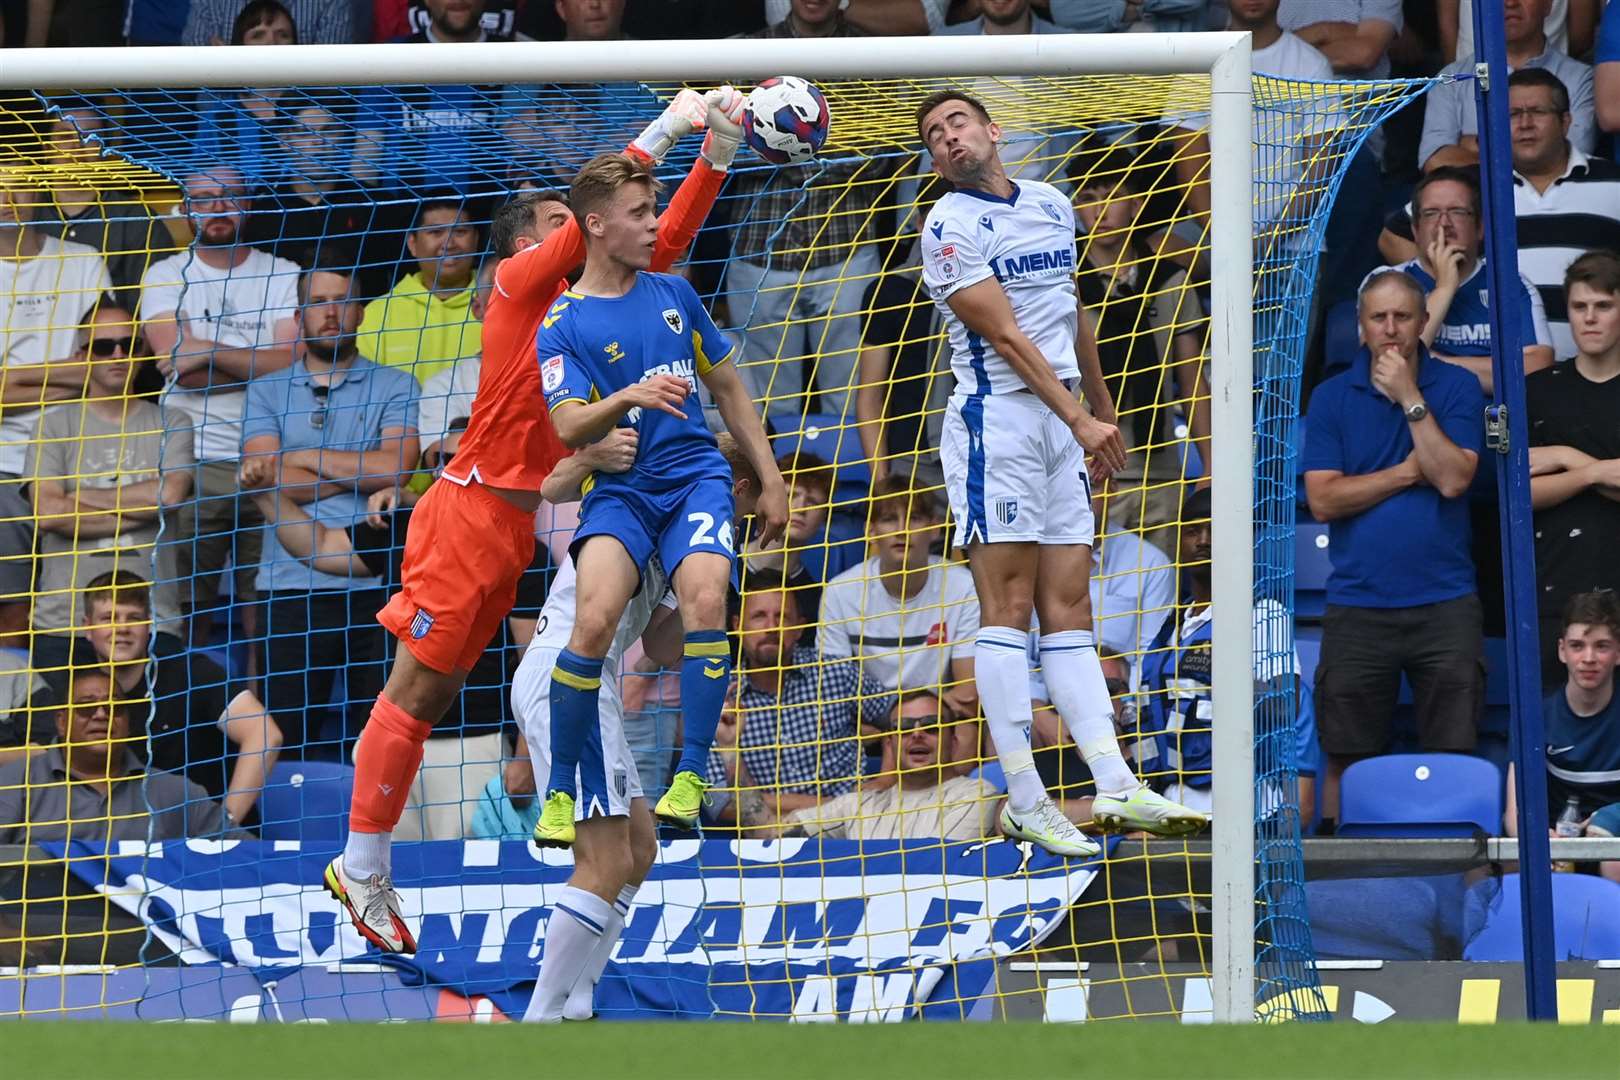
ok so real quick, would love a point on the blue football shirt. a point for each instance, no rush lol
(590, 347)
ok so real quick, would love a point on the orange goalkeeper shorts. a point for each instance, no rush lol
(465, 550)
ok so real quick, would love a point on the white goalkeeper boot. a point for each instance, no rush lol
(373, 907)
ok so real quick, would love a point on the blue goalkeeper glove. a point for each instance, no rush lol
(682, 116)
(724, 121)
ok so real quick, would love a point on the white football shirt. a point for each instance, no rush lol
(907, 643)
(1026, 242)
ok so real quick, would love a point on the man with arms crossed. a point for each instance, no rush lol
(999, 259)
(472, 538)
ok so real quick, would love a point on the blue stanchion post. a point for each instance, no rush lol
(1508, 438)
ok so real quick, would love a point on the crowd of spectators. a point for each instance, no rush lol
(188, 580)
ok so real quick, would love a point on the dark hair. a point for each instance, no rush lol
(1534, 76)
(1599, 608)
(119, 587)
(1453, 174)
(516, 217)
(1598, 270)
(260, 13)
(942, 708)
(940, 97)
(760, 582)
(58, 694)
(1109, 167)
(438, 201)
(332, 260)
(892, 490)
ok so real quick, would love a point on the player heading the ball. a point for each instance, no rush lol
(999, 261)
(624, 347)
(472, 536)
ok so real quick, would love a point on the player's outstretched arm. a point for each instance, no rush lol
(737, 410)
(579, 422)
(984, 309)
(690, 205)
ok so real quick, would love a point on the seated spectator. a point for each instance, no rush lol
(97, 491)
(1570, 26)
(1149, 330)
(881, 17)
(401, 19)
(317, 22)
(1574, 411)
(20, 679)
(220, 739)
(920, 795)
(446, 134)
(997, 17)
(425, 324)
(901, 373)
(115, 222)
(47, 289)
(216, 316)
(1355, 35)
(809, 553)
(1565, 202)
(1581, 719)
(333, 428)
(1161, 16)
(1391, 448)
(467, 749)
(311, 211)
(799, 721)
(1450, 268)
(90, 786)
(1133, 587)
(1178, 676)
(1450, 128)
(450, 393)
(907, 617)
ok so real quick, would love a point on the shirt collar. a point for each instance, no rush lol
(1576, 163)
(56, 759)
(1361, 371)
(987, 197)
(358, 369)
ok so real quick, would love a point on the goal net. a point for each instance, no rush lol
(207, 639)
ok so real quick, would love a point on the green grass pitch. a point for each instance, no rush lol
(722, 1051)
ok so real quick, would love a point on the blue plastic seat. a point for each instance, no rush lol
(1312, 565)
(835, 441)
(306, 801)
(1420, 795)
(1586, 919)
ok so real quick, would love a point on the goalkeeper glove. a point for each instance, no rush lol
(686, 114)
(725, 109)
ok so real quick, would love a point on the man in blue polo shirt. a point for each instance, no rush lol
(1449, 266)
(1390, 450)
(329, 430)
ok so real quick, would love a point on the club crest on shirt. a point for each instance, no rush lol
(421, 625)
(1006, 511)
(1485, 298)
(1052, 212)
(673, 320)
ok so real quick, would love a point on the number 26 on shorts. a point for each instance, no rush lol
(706, 534)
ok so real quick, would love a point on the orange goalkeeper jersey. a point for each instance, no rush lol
(510, 442)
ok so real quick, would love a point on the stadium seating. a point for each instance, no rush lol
(1312, 565)
(831, 440)
(306, 800)
(1421, 795)
(1586, 919)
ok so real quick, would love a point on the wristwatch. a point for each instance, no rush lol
(1416, 411)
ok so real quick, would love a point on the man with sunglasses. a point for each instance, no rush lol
(329, 430)
(97, 490)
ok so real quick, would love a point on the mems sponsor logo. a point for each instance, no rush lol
(1033, 264)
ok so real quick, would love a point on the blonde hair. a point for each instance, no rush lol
(595, 185)
(741, 467)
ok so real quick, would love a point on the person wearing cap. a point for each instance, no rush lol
(1391, 448)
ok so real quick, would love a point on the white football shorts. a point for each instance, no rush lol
(607, 778)
(1014, 472)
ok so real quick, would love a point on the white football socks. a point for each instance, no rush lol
(577, 924)
(581, 1004)
(1074, 679)
(1001, 669)
(365, 854)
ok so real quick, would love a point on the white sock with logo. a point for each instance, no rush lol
(1001, 670)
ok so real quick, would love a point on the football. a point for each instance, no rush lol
(785, 120)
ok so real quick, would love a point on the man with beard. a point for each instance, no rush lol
(337, 427)
(216, 316)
